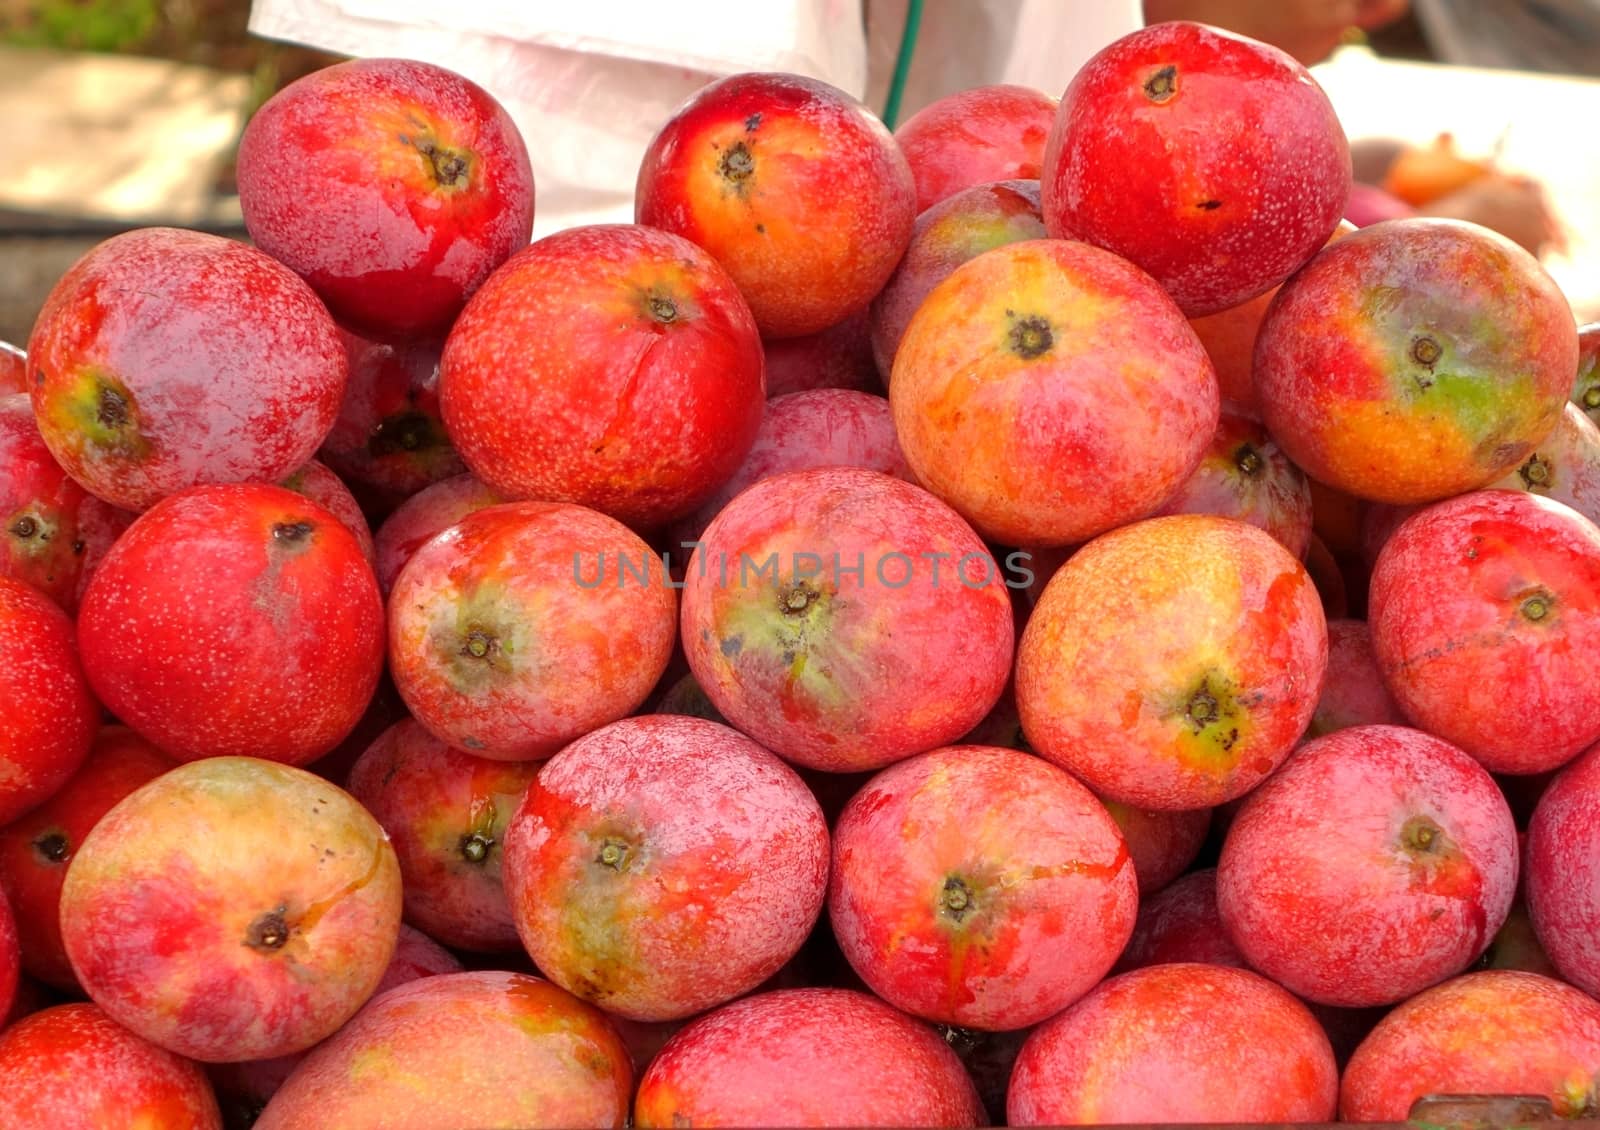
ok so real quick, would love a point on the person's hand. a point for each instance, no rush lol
(1307, 29)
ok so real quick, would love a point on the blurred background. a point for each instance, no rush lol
(122, 114)
(125, 113)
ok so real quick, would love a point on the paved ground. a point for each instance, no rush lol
(109, 142)
(29, 267)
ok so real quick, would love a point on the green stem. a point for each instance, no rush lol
(902, 63)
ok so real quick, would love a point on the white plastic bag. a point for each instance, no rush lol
(589, 84)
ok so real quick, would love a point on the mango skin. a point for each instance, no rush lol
(1414, 360)
(1050, 391)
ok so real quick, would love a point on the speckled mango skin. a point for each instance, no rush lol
(36, 849)
(73, 1066)
(976, 136)
(795, 187)
(1496, 1032)
(1586, 387)
(42, 540)
(1162, 843)
(423, 516)
(1414, 360)
(244, 1088)
(1230, 337)
(946, 235)
(235, 619)
(316, 482)
(1485, 620)
(1173, 663)
(1353, 691)
(802, 1058)
(1177, 1043)
(164, 359)
(389, 439)
(611, 366)
(446, 813)
(1562, 880)
(1050, 391)
(50, 713)
(1245, 475)
(1214, 162)
(527, 625)
(664, 865)
(859, 671)
(980, 887)
(822, 427)
(393, 186)
(1564, 466)
(1230, 340)
(1379, 861)
(463, 1050)
(1180, 923)
(838, 357)
(233, 909)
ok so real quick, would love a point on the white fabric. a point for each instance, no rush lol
(589, 84)
(966, 43)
